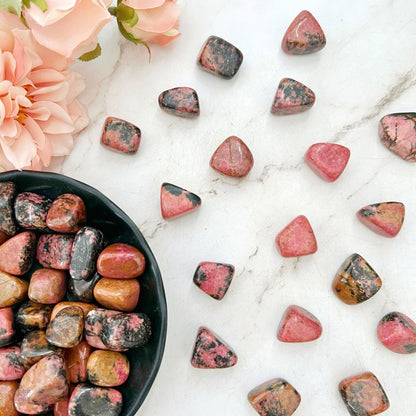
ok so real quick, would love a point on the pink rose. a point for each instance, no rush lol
(157, 20)
(39, 113)
(68, 27)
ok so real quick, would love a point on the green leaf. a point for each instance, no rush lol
(89, 56)
(13, 6)
(131, 38)
(41, 4)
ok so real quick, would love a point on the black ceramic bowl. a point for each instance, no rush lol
(117, 227)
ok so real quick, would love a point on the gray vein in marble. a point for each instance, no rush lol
(373, 176)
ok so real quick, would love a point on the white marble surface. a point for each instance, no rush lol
(366, 70)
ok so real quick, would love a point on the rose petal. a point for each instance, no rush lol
(159, 19)
(59, 120)
(143, 4)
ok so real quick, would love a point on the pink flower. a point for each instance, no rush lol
(157, 20)
(68, 27)
(39, 113)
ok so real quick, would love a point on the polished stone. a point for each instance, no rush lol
(11, 365)
(13, 290)
(86, 307)
(76, 359)
(107, 368)
(82, 289)
(121, 135)
(7, 392)
(54, 251)
(93, 326)
(180, 101)
(31, 210)
(176, 201)
(32, 316)
(7, 220)
(7, 332)
(47, 286)
(18, 253)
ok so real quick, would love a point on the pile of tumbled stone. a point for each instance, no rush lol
(68, 355)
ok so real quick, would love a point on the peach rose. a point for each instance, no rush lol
(68, 27)
(39, 113)
(157, 20)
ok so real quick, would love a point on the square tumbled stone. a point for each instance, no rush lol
(121, 135)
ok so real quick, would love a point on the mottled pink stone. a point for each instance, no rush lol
(363, 395)
(17, 253)
(175, 201)
(385, 218)
(121, 135)
(297, 238)
(398, 133)
(93, 324)
(210, 351)
(7, 331)
(232, 158)
(47, 286)
(11, 365)
(214, 278)
(292, 97)
(54, 251)
(298, 325)
(303, 36)
(275, 397)
(397, 332)
(327, 160)
(180, 101)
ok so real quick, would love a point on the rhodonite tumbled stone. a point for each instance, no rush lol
(397, 332)
(107, 368)
(66, 328)
(276, 397)
(31, 210)
(93, 325)
(385, 218)
(11, 365)
(292, 97)
(118, 294)
(7, 330)
(214, 278)
(121, 261)
(398, 133)
(356, 281)
(180, 101)
(85, 307)
(88, 243)
(76, 359)
(210, 351)
(89, 400)
(121, 135)
(32, 316)
(363, 395)
(18, 253)
(220, 57)
(7, 392)
(327, 160)
(175, 201)
(297, 238)
(12, 289)
(7, 220)
(67, 214)
(84, 289)
(303, 36)
(47, 286)
(232, 158)
(61, 408)
(3, 237)
(44, 384)
(54, 251)
(298, 325)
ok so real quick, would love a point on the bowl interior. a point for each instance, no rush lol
(117, 227)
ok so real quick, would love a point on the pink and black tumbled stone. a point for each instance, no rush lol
(88, 243)
(398, 133)
(292, 97)
(87, 400)
(7, 220)
(214, 278)
(220, 57)
(7, 329)
(210, 351)
(31, 210)
(54, 251)
(397, 332)
(32, 316)
(363, 395)
(18, 253)
(180, 101)
(121, 135)
(47, 286)
(176, 201)
(356, 281)
(93, 325)
(11, 365)
(83, 290)
(303, 36)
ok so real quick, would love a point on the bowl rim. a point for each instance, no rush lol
(160, 348)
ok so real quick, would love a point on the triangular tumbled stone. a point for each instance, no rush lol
(175, 201)
(398, 133)
(292, 97)
(327, 160)
(232, 158)
(385, 218)
(17, 253)
(297, 238)
(304, 35)
(211, 352)
(356, 281)
(180, 101)
(298, 325)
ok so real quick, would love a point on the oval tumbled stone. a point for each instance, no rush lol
(76, 359)
(31, 209)
(121, 261)
(17, 253)
(93, 324)
(13, 290)
(32, 316)
(7, 392)
(107, 368)
(7, 194)
(47, 286)
(11, 366)
(66, 328)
